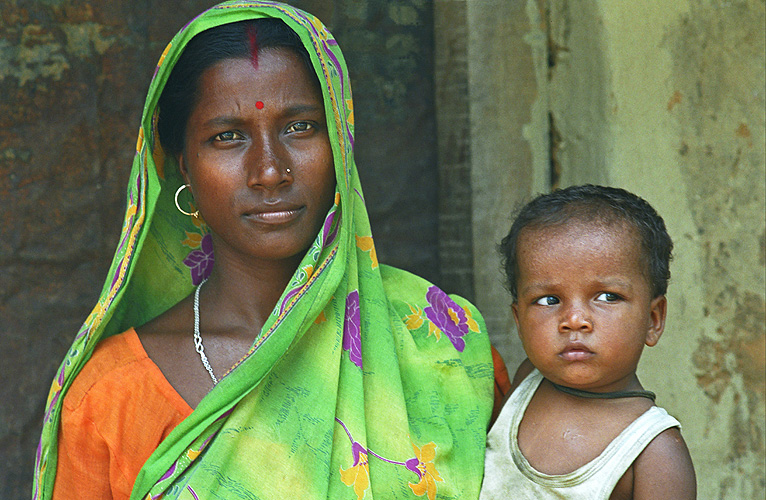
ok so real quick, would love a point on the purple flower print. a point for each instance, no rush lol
(201, 261)
(352, 340)
(449, 317)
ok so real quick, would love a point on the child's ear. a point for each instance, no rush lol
(658, 310)
(515, 309)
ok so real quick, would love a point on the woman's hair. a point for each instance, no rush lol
(602, 205)
(240, 40)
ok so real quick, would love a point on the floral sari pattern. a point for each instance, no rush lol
(352, 337)
(443, 315)
(422, 464)
(200, 260)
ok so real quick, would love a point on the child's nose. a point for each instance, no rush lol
(576, 319)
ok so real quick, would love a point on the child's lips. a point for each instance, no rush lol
(576, 352)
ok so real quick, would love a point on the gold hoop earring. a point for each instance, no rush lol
(178, 206)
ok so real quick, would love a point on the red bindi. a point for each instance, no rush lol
(259, 104)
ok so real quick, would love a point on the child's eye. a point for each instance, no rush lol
(548, 300)
(608, 297)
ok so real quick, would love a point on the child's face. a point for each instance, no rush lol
(585, 309)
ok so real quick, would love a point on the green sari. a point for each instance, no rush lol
(365, 381)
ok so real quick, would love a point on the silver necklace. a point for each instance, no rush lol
(198, 338)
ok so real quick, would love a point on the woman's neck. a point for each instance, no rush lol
(242, 295)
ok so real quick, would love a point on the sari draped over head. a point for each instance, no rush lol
(365, 381)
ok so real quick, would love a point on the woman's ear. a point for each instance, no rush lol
(182, 168)
(657, 312)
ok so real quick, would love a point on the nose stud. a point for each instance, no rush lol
(287, 170)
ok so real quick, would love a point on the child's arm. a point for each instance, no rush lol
(664, 469)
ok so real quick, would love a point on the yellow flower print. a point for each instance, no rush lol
(200, 223)
(366, 244)
(55, 389)
(192, 454)
(96, 313)
(140, 141)
(308, 270)
(193, 240)
(416, 319)
(350, 107)
(321, 318)
(164, 54)
(472, 324)
(358, 475)
(319, 27)
(423, 466)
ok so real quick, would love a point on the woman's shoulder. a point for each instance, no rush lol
(406, 286)
(109, 358)
(119, 370)
(424, 307)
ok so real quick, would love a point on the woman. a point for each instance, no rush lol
(295, 366)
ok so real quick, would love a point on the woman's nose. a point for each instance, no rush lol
(575, 318)
(266, 164)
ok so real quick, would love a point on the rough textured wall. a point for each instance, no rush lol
(388, 47)
(73, 74)
(454, 137)
(72, 79)
(502, 95)
(667, 99)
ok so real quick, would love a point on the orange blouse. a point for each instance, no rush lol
(109, 428)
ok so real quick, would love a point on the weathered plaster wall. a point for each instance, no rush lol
(666, 99)
(73, 74)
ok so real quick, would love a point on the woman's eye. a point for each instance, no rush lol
(608, 297)
(229, 135)
(548, 300)
(299, 127)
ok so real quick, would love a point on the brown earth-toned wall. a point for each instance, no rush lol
(73, 76)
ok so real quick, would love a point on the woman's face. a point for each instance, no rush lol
(257, 156)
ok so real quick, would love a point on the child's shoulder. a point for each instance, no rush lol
(525, 368)
(664, 469)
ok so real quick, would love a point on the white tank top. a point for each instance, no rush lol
(508, 475)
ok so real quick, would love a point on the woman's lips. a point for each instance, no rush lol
(274, 215)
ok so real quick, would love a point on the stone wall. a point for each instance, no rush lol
(73, 76)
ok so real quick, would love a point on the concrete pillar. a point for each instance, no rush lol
(492, 143)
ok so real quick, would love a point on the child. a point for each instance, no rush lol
(587, 268)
